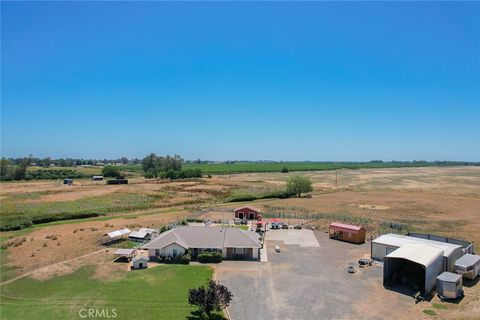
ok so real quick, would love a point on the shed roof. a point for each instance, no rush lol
(206, 237)
(398, 240)
(467, 260)
(345, 226)
(138, 234)
(449, 277)
(118, 233)
(419, 253)
(147, 230)
(125, 252)
(139, 258)
(247, 207)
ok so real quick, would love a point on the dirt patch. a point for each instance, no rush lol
(373, 207)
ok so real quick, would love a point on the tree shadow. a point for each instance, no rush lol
(197, 315)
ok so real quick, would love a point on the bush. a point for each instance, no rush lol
(284, 170)
(180, 259)
(111, 171)
(54, 174)
(210, 257)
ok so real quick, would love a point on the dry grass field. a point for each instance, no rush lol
(443, 201)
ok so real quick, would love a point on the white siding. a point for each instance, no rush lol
(255, 253)
(168, 250)
(431, 273)
(379, 251)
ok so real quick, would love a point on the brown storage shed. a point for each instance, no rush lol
(347, 232)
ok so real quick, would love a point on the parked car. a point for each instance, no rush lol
(277, 248)
(284, 226)
(297, 227)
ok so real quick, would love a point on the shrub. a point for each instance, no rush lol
(284, 170)
(110, 171)
(210, 257)
(180, 259)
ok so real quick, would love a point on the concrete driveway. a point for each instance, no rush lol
(302, 238)
(309, 283)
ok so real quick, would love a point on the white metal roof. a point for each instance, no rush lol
(138, 234)
(398, 240)
(467, 260)
(118, 233)
(419, 253)
(146, 230)
(125, 252)
(449, 277)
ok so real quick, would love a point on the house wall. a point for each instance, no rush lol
(167, 251)
(246, 213)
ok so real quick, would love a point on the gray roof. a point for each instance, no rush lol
(138, 234)
(423, 254)
(398, 240)
(449, 277)
(467, 260)
(125, 252)
(206, 237)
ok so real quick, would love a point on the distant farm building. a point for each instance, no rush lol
(142, 235)
(248, 212)
(414, 262)
(139, 263)
(115, 235)
(346, 232)
(97, 178)
(117, 181)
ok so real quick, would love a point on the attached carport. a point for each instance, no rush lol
(415, 266)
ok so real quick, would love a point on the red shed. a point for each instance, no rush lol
(347, 232)
(247, 212)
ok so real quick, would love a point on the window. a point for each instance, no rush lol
(157, 252)
(239, 250)
(174, 252)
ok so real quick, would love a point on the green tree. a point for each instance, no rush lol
(212, 298)
(111, 171)
(6, 169)
(298, 185)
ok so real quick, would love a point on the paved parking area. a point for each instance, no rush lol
(309, 283)
(302, 238)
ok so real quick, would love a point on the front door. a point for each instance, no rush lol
(140, 265)
(240, 215)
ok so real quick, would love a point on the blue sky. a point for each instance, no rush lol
(277, 81)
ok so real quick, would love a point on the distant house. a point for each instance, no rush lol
(232, 242)
(97, 178)
(247, 212)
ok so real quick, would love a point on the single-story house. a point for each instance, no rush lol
(247, 212)
(139, 263)
(231, 242)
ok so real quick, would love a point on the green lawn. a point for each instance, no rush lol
(157, 293)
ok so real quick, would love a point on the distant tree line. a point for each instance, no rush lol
(167, 167)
